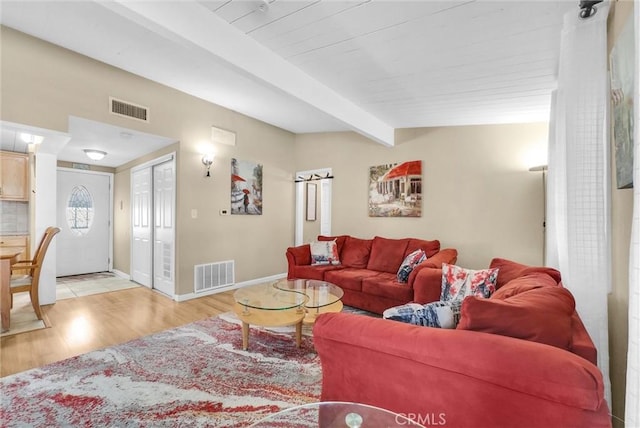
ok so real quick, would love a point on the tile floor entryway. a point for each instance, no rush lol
(68, 287)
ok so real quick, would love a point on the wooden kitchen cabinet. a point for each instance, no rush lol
(14, 176)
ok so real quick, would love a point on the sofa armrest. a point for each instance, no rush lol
(427, 285)
(426, 278)
(447, 255)
(297, 256)
(534, 383)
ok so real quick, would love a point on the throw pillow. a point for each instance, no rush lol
(540, 315)
(324, 253)
(458, 282)
(410, 262)
(434, 314)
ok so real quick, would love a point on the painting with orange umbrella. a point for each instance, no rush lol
(246, 187)
(395, 190)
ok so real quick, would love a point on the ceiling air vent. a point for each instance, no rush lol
(127, 109)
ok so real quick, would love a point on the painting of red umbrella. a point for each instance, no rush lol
(395, 190)
(246, 187)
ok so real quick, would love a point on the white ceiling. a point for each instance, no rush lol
(316, 66)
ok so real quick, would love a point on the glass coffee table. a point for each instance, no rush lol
(322, 296)
(285, 303)
(334, 414)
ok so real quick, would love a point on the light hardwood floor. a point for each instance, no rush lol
(94, 322)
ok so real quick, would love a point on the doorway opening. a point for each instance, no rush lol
(306, 229)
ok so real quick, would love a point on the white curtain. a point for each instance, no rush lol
(632, 402)
(578, 233)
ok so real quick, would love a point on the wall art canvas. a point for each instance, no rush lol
(621, 65)
(246, 187)
(395, 190)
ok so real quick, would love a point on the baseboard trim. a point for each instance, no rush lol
(190, 296)
(121, 274)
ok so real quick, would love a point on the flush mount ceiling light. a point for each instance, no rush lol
(95, 155)
(30, 138)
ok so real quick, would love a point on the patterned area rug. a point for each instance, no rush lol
(192, 376)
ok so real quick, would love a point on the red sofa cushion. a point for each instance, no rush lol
(349, 278)
(510, 270)
(301, 254)
(355, 252)
(524, 283)
(387, 254)
(539, 315)
(429, 247)
(387, 285)
(313, 272)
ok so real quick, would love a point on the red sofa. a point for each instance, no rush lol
(368, 268)
(478, 375)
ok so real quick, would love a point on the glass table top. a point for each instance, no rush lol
(319, 293)
(288, 294)
(269, 297)
(333, 414)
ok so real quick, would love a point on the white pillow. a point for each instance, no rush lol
(324, 253)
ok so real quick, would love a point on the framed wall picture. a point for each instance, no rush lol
(246, 187)
(395, 190)
(312, 198)
(622, 80)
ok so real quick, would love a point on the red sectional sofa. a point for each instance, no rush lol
(531, 365)
(368, 268)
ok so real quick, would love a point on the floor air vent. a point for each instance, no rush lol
(213, 275)
(127, 109)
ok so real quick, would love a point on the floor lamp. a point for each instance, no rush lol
(543, 169)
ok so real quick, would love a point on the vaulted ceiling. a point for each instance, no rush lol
(314, 66)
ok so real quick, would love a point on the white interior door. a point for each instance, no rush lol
(141, 232)
(84, 216)
(163, 233)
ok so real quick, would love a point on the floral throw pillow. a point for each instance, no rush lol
(324, 253)
(409, 263)
(458, 283)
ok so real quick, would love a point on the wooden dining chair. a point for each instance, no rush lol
(30, 282)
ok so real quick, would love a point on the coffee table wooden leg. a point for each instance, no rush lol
(245, 336)
(299, 334)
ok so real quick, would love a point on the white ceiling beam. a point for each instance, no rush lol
(192, 23)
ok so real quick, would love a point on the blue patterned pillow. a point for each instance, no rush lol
(434, 314)
(409, 263)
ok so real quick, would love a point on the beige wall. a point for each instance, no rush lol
(42, 85)
(622, 209)
(97, 168)
(478, 194)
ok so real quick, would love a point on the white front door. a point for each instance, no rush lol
(84, 216)
(141, 209)
(163, 227)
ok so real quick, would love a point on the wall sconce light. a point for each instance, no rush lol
(95, 155)
(207, 160)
